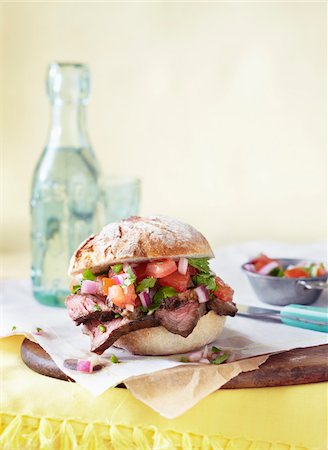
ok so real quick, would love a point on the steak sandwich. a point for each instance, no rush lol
(144, 284)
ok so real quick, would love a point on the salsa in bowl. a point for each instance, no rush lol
(283, 281)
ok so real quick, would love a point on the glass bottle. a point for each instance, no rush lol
(66, 200)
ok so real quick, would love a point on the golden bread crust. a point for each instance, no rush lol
(137, 239)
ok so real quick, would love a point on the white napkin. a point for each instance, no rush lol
(247, 337)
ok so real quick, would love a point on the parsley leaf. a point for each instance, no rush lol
(88, 275)
(163, 292)
(131, 278)
(216, 350)
(146, 283)
(200, 263)
(38, 329)
(96, 307)
(206, 280)
(75, 288)
(13, 328)
(184, 359)
(220, 359)
(102, 328)
(117, 268)
(277, 272)
(114, 359)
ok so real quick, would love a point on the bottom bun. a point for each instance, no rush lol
(159, 341)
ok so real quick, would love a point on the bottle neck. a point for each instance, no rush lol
(68, 126)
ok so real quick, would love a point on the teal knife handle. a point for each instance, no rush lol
(310, 317)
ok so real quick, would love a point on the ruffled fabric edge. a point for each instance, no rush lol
(31, 433)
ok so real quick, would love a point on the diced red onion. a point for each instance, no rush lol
(152, 292)
(206, 352)
(204, 361)
(195, 356)
(89, 287)
(303, 263)
(145, 298)
(95, 360)
(202, 293)
(183, 266)
(127, 267)
(84, 365)
(250, 267)
(129, 307)
(265, 270)
(119, 279)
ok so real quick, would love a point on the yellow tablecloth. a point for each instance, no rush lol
(43, 413)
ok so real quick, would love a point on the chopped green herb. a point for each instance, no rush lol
(220, 359)
(216, 350)
(38, 329)
(206, 280)
(117, 316)
(277, 272)
(164, 292)
(102, 328)
(114, 359)
(131, 279)
(183, 359)
(143, 309)
(96, 307)
(200, 263)
(13, 328)
(148, 282)
(161, 294)
(76, 288)
(88, 275)
(117, 268)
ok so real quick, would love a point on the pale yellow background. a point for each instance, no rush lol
(218, 107)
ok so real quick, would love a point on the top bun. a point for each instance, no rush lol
(136, 239)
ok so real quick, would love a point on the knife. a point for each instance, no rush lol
(310, 317)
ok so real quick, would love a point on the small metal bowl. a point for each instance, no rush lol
(284, 291)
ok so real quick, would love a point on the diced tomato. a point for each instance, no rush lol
(160, 269)
(296, 272)
(106, 284)
(140, 271)
(261, 261)
(116, 294)
(131, 297)
(321, 271)
(176, 280)
(224, 292)
(122, 296)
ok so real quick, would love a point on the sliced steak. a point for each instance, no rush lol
(83, 307)
(222, 308)
(178, 316)
(104, 334)
(190, 295)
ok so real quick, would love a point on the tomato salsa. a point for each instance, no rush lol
(264, 265)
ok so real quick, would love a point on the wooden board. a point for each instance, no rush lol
(298, 366)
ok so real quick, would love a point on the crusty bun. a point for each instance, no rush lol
(159, 341)
(136, 239)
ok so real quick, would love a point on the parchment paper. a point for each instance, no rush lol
(170, 392)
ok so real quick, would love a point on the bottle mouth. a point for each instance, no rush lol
(68, 82)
